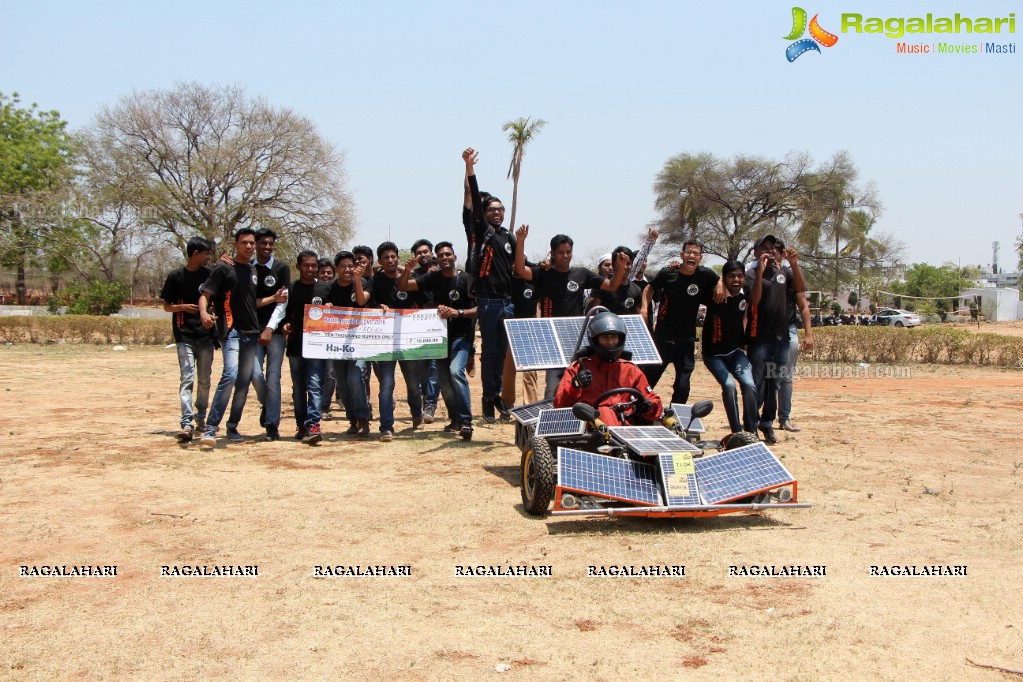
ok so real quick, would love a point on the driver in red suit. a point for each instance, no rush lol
(604, 369)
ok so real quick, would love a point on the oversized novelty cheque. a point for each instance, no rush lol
(371, 334)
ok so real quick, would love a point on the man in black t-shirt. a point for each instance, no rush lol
(352, 290)
(680, 292)
(194, 342)
(232, 290)
(627, 299)
(272, 276)
(306, 373)
(449, 289)
(422, 250)
(724, 337)
(561, 288)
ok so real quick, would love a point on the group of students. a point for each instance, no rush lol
(257, 315)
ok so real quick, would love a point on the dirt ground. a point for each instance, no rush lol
(919, 466)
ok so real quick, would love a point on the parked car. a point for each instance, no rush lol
(897, 318)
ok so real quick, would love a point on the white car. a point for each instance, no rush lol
(897, 318)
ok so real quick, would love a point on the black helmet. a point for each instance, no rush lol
(607, 323)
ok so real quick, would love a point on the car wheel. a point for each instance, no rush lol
(740, 439)
(898, 323)
(538, 476)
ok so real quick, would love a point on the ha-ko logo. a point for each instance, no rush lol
(818, 36)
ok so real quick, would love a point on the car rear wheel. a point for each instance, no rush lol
(740, 439)
(898, 323)
(538, 476)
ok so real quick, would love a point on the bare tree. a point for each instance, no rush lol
(208, 160)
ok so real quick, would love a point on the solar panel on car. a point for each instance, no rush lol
(549, 342)
(528, 414)
(683, 413)
(738, 473)
(651, 440)
(679, 476)
(619, 479)
(559, 422)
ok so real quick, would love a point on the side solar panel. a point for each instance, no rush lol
(528, 414)
(639, 342)
(559, 422)
(683, 413)
(619, 479)
(547, 343)
(679, 476)
(651, 440)
(738, 473)
(533, 344)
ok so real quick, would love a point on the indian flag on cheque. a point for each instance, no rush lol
(370, 334)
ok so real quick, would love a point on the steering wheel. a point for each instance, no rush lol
(625, 407)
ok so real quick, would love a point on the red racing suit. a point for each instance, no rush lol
(607, 375)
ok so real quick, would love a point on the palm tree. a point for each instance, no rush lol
(520, 132)
(860, 245)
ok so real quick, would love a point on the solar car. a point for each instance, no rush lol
(571, 459)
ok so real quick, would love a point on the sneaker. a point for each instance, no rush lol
(200, 424)
(272, 433)
(417, 421)
(501, 407)
(185, 434)
(450, 428)
(326, 416)
(789, 426)
(262, 416)
(234, 436)
(209, 439)
(363, 428)
(488, 410)
(312, 434)
(386, 436)
(428, 414)
(353, 429)
(465, 432)
(300, 433)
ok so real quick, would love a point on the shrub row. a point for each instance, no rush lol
(84, 329)
(923, 344)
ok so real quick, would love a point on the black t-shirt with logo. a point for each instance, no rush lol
(343, 296)
(723, 329)
(233, 290)
(680, 297)
(386, 292)
(182, 286)
(454, 293)
(299, 296)
(562, 292)
(268, 280)
(625, 300)
(769, 319)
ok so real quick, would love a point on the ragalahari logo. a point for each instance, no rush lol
(817, 35)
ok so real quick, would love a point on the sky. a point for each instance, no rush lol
(403, 87)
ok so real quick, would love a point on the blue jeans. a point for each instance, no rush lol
(785, 381)
(329, 385)
(431, 386)
(491, 314)
(195, 362)
(306, 377)
(769, 359)
(681, 353)
(268, 389)
(239, 351)
(724, 368)
(352, 387)
(454, 384)
(411, 370)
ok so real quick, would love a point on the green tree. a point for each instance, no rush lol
(36, 165)
(930, 281)
(208, 160)
(520, 132)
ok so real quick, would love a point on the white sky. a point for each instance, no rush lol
(403, 87)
